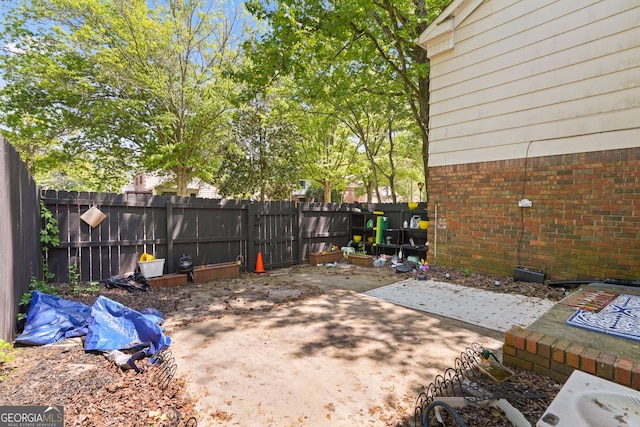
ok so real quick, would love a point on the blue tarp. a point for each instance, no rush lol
(113, 326)
(108, 324)
(52, 319)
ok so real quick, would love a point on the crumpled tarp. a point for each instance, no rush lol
(51, 319)
(113, 326)
(107, 324)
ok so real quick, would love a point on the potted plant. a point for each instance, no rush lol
(331, 255)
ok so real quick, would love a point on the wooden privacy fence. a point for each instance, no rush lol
(20, 231)
(210, 231)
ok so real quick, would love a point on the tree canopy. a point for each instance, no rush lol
(261, 154)
(145, 81)
(349, 51)
(337, 93)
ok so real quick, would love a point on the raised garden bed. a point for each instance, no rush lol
(362, 260)
(168, 281)
(316, 258)
(212, 272)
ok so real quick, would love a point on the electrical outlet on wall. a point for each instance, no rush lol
(524, 203)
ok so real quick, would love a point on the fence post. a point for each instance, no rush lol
(20, 255)
(300, 218)
(251, 243)
(169, 260)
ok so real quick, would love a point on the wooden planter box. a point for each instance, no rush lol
(316, 258)
(213, 272)
(168, 281)
(362, 260)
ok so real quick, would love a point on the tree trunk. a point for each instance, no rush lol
(370, 187)
(423, 93)
(327, 191)
(182, 182)
(392, 175)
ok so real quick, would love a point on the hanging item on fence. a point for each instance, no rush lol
(93, 216)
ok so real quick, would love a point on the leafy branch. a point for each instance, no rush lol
(49, 233)
(49, 239)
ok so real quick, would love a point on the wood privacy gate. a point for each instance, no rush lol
(211, 231)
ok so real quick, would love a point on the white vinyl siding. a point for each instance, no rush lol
(557, 73)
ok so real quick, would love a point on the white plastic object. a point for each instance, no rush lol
(151, 268)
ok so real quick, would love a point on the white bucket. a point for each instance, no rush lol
(151, 268)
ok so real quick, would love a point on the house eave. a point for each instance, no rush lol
(440, 35)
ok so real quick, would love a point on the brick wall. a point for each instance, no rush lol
(584, 222)
(557, 359)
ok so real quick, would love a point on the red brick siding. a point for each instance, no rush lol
(584, 222)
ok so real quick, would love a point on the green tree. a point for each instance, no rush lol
(316, 192)
(328, 153)
(369, 41)
(261, 158)
(142, 81)
(373, 121)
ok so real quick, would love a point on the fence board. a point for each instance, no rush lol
(210, 231)
(20, 257)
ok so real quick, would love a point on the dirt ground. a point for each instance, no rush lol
(293, 347)
(334, 357)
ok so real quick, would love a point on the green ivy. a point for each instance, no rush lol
(7, 352)
(92, 286)
(7, 355)
(49, 233)
(36, 285)
(49, 238)
(74, 277)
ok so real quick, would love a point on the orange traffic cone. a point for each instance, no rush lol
(259, 265)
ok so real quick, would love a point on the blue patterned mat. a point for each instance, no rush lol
(621, 318)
